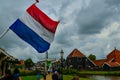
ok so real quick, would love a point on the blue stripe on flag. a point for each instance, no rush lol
(30, 36)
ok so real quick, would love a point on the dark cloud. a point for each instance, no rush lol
(64, 40)
(113, 2)
(93, 19)
(84, 24)
(11, 40)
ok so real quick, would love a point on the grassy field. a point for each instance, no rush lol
(69, 77)
(28, 77)
(65, 77)
(113, 73)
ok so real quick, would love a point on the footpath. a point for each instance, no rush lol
(48, 77)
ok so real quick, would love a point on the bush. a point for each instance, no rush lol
(27, 72)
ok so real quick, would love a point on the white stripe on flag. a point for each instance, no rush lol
(37, 27)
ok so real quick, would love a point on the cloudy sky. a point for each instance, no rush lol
(91, 26)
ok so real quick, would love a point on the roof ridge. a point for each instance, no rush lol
(117, 63)
(76, 53)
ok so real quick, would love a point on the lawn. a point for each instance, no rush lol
(29, 77)
(65, 77)
(69, 77)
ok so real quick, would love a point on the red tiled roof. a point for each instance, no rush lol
(113, 59)
(115, 54)
(76, 53)
(112, 64)
(99, 62)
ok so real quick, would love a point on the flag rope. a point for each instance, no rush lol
(4, 33)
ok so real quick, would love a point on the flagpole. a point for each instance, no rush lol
(4, 33)
(37, 1)
(46, 58)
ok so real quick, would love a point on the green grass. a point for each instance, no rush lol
(115, 73)
(69, 77)
(29, 77)
(65, 77)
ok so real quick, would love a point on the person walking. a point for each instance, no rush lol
(8, 75)
(55, 76)
(16, 74)
(48, 70)
(38, 73)
(44, 75)
(60, 77)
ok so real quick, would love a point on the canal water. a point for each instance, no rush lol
(97, 77)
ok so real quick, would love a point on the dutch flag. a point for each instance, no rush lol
(36, 28)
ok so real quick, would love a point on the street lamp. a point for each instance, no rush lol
(61, 55)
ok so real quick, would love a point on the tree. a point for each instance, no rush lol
(92, 57)
(29, 63)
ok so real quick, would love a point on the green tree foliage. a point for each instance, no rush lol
(92, 57)
(29, 63)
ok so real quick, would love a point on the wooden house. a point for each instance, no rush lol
(5, 61)
(78, 60)
(112, 61)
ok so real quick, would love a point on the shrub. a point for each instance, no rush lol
(27, 72)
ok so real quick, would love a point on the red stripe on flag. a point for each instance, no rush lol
(42, 18)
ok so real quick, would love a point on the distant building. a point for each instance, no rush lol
(77, 60)
(5, 62)
(45, 63)
(112, 61)
(20, 64)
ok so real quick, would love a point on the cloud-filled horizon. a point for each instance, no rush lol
(91, 26)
